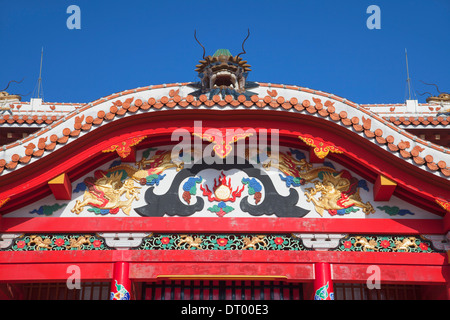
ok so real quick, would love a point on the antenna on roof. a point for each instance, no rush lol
(408, 80)
(39, 84)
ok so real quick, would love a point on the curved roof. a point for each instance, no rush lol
(371, 142)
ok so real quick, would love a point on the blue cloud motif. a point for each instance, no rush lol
(80, 187)
(191, 183)
(298, 154)
(363, 184)
(39, 211)
(155, 179)
(115, 163)
(290, 180)
(403, 212)
(222, 205)
(252, 183)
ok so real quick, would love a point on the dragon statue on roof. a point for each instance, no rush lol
(5, 97)
(223, 74)
(443, 99)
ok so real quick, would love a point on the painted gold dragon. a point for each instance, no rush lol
(334, 196)
(105, 193)
(337, 192)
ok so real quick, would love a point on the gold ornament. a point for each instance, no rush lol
(251, 243)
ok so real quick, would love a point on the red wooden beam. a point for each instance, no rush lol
(383, 188)
(218, 270)
(217, 225)
(219, 256)
(61, 187)
(406, 274)
(148, 265)
(35, 272)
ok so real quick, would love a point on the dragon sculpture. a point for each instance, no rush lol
(443, 99)
(335, 195)
(223, 74)
(5, 97)
(105, 192)
(338, 190)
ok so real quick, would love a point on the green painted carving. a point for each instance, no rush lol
(57, 242)
(221, 242)
(47, 210)
(371, 243)
(392, 211)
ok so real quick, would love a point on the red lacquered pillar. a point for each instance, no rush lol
(323, 284)
(121, 283)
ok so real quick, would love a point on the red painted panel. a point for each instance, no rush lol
(342, 272)
(407, 274)
(214, 225)
(146, 271)
(54, 271)
(147, 258)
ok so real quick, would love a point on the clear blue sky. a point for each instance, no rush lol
(323, 45)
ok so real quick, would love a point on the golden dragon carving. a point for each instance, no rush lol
(336, 191)
(105, 193)
(333, 194)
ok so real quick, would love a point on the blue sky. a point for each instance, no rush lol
(323, 45)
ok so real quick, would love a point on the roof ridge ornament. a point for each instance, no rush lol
(6, 96)
(442, 98)
(223, 74)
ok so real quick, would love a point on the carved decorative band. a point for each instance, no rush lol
(222, 242)
(204, 241)
(368, 243)
(56, 242)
